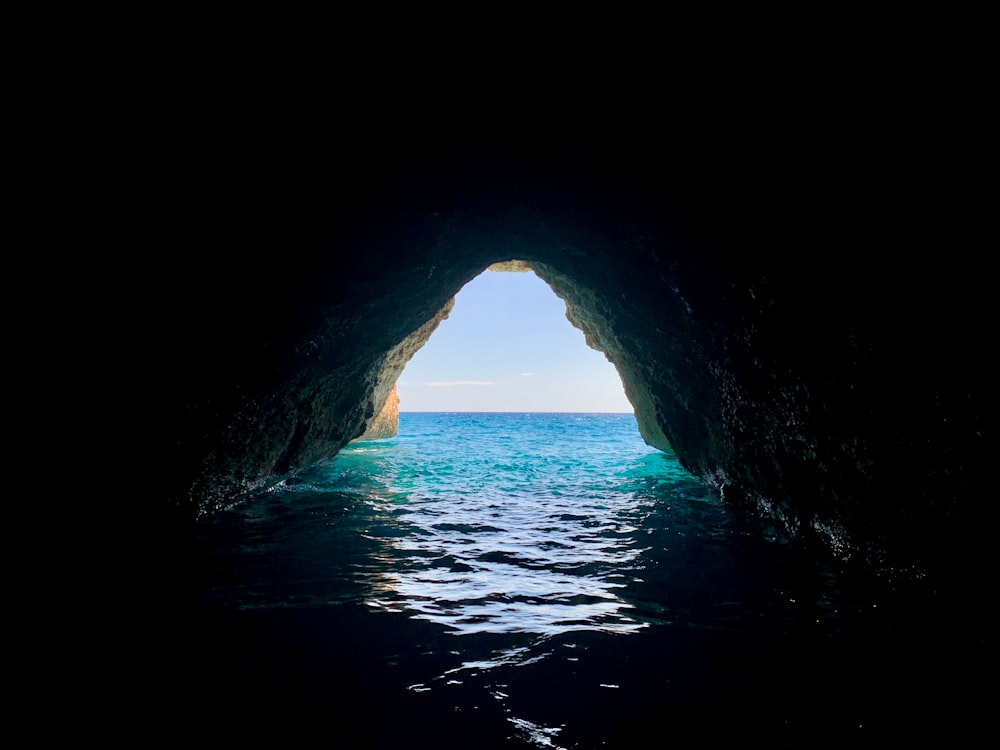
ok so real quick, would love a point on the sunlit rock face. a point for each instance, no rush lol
(383, 419)
(385, 423)
(785, 337)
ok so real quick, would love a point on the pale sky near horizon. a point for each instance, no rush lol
(507, 346)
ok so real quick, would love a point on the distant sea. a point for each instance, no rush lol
(536, 580)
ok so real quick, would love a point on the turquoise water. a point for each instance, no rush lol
(539, 580)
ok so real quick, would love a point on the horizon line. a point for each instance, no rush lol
(508, 411)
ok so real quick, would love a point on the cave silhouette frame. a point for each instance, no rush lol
(732, 347)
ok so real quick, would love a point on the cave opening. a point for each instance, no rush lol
(515, 490)
(508, 346)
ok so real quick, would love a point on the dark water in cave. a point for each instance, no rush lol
(546, 581)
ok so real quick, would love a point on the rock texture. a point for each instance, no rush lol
(385, 423)
(384, 399)
(806, 333)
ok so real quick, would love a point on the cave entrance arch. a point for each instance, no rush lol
(347, 322)
(507, 346)
(385, 423)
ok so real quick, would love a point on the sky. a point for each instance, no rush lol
(507, 346)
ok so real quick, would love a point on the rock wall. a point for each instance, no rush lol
(384, 399)
(385, 424)
(788, 339)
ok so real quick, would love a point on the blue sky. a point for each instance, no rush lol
(507, 346)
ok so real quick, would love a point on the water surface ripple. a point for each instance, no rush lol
(539, 580)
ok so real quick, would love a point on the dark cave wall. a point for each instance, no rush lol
(795, 345)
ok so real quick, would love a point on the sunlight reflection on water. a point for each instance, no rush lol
(536, 567)
(460, 581)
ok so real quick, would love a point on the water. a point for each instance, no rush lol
(543, 581)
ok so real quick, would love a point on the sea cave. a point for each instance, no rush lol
(806, 340)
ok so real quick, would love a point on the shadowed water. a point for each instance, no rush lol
(539, 580)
